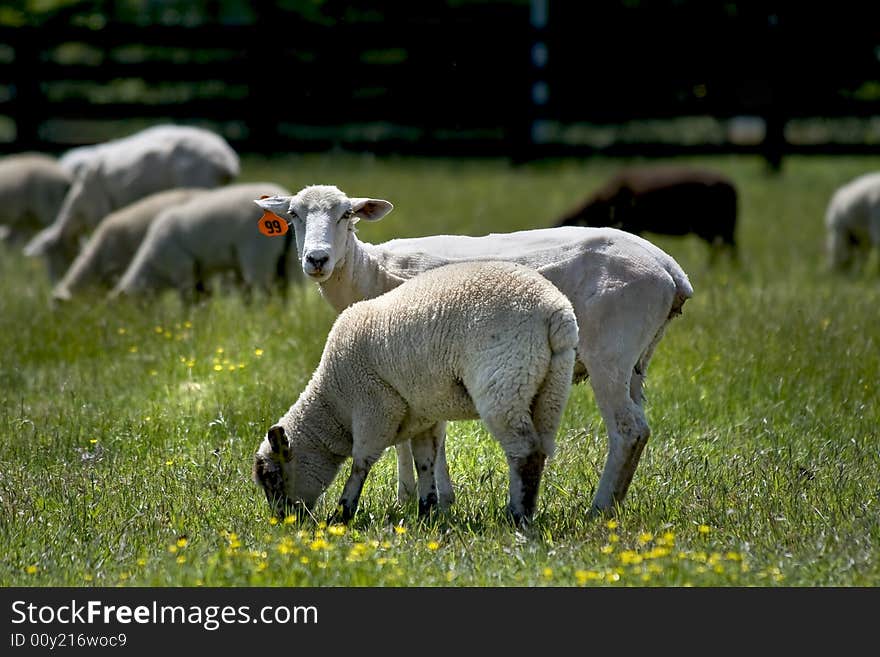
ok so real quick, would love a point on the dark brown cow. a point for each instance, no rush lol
(668, 200)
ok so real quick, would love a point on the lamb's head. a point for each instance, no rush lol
(323, 218)
(285, 475)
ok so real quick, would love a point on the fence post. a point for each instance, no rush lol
(266, 101)
(28, 106)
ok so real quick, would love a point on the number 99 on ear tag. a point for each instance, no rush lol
(271, 225)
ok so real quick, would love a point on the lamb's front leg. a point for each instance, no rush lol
(351, 492)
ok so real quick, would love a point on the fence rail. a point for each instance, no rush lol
(470, 79)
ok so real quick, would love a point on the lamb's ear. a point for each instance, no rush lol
(277, 205)
(370, 209)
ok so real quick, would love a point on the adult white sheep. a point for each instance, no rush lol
(624, 291)
(215, 232)
(124, 170)
(112, 246)
(32, 188)
(491, 340)
(852, 221)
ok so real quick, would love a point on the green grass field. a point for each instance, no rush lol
(128, 430)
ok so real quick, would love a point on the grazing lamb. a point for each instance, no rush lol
(852, 221)
(490, 340)
(213, 233)
(624, 291)
(668, 200)
(112, 246)
(124, 170)
(32, 188)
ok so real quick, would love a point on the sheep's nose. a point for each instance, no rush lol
(317, 260)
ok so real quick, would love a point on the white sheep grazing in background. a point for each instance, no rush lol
(624, 291)
(32, 188)
(75, 158)
(215, 232)
(490, 340)
(111, 248)
(852, 221)
(124, 170)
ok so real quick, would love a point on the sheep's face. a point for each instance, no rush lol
(280, 473)
(323, 218)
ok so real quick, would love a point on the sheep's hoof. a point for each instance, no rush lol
(446, 500)
(342, 515)
(427, 505)
(517, 517)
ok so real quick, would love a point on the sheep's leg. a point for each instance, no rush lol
(406, 481)
(425, 450)
(618, 334)
(552, 396)
(628, 432)
(525, 461)
(351, 492)
(445, 491)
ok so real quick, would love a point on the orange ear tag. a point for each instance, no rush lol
(271, 225)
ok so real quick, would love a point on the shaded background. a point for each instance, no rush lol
(516, 78)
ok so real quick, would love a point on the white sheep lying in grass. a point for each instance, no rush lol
(112, 246)
(493, 340)
(624, 291)
(122, 171)
(852, 221)
(32, 188)
(215, 232)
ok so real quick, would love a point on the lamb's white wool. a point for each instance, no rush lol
(852, 221)
(32, 188)
(122, 171)
(623, 288)
(490, 340)
(212, 233)
(110, 249)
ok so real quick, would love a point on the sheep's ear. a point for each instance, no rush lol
(370, 209)
(277, 205)
(278, 440)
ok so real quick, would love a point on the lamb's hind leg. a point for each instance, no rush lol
(525, 460)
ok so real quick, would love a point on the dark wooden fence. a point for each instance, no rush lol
(431, 78)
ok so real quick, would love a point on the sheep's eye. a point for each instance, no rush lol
(348, 214)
